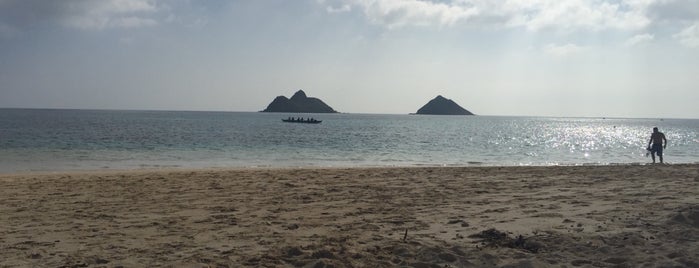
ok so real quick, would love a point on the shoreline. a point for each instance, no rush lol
(542, 216)
(244, 168)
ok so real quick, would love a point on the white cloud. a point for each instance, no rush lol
(562, 50)
(98, 23)
(133, 22)
(638, 39)
(112, 14)
(578, 14)
(335, 8)
(673, 10)
(397, 13)
(689, 36)
(81, 14)
(533, 15)
(343, 8)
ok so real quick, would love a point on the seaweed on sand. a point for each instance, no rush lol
(494, 238)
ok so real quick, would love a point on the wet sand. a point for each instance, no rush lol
(596, 216)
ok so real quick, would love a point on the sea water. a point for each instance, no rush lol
(58, 140)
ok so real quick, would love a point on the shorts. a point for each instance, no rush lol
(657, 148)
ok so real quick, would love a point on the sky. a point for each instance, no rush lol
(594, 58)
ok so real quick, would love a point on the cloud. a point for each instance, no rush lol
(560, 51)
(112, 14)
(638, 39)
(80, 14)
(673, 10)
(689, 37)
(397, 13)
(533, 15)
(99, 22)
(335, 7)
(342, 9)
(578, 14)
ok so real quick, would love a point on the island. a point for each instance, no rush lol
(299, 103)
(443, 106)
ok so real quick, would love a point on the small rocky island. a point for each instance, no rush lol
(299, 103)
(443, 106)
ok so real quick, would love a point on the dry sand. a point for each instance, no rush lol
(598, 216)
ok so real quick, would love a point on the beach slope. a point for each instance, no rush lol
(587, 216)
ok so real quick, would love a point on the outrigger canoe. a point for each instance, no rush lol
(302, 121)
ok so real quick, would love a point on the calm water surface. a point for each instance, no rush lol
(52, 140)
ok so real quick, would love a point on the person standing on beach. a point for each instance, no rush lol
(659, 143)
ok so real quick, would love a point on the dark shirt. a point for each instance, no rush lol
(657, 138)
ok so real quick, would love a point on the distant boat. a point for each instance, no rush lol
(302, 121)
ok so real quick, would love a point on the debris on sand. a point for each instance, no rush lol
(494, 238)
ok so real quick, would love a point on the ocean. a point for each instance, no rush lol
(37, 140)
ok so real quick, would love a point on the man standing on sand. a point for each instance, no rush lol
(659, 143)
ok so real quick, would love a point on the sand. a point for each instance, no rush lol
(588, 216)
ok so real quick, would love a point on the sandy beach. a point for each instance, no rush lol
(582, 216)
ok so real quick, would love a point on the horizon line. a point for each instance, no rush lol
(359, 113)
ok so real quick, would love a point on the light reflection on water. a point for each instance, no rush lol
(69, 139)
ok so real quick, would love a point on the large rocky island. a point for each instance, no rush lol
(443, 106)
(299, 103)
